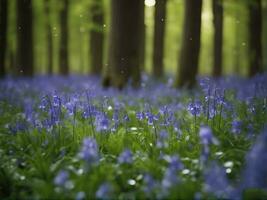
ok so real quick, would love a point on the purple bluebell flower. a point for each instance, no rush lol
(126, 157)
(255, 173)
(104, 191)
(236, 126)
(101, 122)
(170, 179)
(89, 151)
(61, 178)
(206, 136)
(150, 184)
(56, 101)
(161, 141)
(140, 115)
(195, 108)
(216, 182)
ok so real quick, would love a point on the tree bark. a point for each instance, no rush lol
(24, 38)
(255, 33)
(97, 37)
(3, 36)
(217, 8)
(124, 44)
(49, 37)
(64, 44)
(189, 57)
(142, 36)
(159, 34)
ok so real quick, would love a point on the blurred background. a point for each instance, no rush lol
(46, 15)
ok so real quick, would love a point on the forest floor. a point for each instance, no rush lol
(67, 138)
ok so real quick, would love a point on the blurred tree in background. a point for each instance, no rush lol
(49, 36)
(159, 35)
(86, 37)
(96, 37)
(25, 54)
(189, 56)
(217, 9)
(255, 38)
(124, 46)
(3, 35)
(64, 38)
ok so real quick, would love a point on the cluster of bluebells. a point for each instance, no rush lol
(160, 110)
(89, 151)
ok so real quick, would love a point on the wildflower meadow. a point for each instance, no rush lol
(69, 138)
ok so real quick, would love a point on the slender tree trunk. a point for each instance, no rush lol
(97, 37)
(64, 43)
(49, 37)
(142, 36)
(189, 57)
(217, 7)
(3, 36)
(159, 34)
(24, 38)
(124, 44)
(255, 33)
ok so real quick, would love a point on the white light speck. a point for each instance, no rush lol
(131, 182)
(150, 3)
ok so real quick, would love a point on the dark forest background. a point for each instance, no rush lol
(120, 39)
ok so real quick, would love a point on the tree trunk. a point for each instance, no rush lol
(24, 38)
(49, 37)
(159, 33)
(189, 57)
(3, 36)
(63, 48)
(124, 44)
(217, 7)
(142, 36)
(97, 37)
(255, 33)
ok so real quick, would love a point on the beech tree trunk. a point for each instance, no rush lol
(159, 34)
(49, 37)
(3, 36)
(217, 8)
(64, 43)
(97, 37)
(24, 60)
(124, 44)
(189, 57)
(142, 36)
(255, 36)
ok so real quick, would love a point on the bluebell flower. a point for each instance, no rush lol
(195, 108)
(216, 182)
(255, 173)
(170, 179)
(161, 141)
(150, 184)
(151, 118)
(236, 126)
(61, 178)
(140, 116)
(44, 104)
(125, 157)
(104, 191)
(101, 122)
(56, 101)
(89, 151)
(206, 136)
